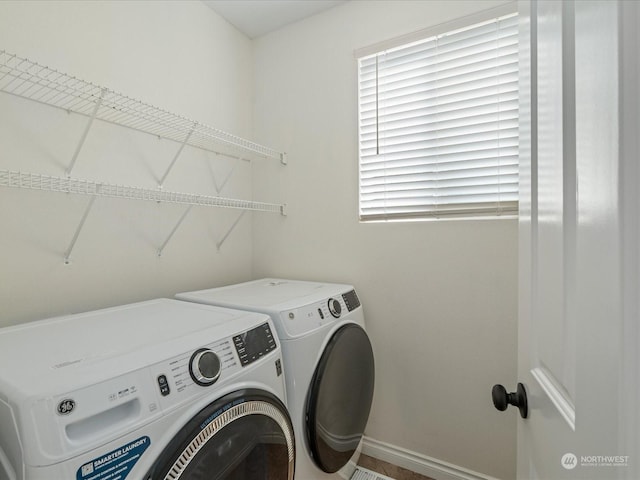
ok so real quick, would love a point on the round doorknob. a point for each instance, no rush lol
(502, 399)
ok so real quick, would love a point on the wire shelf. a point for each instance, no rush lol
(24, 78)
(34, 181)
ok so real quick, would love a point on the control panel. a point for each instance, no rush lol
(187, 374)
(253, 344)
(305, 319)
(351, 300)
(92, 413)
(199, 368)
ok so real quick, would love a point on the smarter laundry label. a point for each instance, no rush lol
(114, 465)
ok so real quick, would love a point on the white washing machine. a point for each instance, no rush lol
(328, 362)
(151, 391)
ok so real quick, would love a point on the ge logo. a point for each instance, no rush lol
(66, 406)
(569, 461)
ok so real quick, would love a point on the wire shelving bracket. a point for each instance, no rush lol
(85, 133)
(67, 253)
(222, 184)
(175, 229)
(35, 181)
(24, 78)
(175, 158)
(233, 226)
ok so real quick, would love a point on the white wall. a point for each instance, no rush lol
(177, 55)
(439, 297)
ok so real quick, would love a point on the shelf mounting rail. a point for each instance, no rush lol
(24, 78)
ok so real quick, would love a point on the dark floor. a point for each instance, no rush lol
(389, 470)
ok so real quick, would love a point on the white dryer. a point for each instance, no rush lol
(328, 362)
(151, 391)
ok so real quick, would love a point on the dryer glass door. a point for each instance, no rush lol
(339, 399)
(246, 435)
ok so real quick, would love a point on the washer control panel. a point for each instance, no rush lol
(182, 375)
(88, 415)
(187, 374)
(254, 344)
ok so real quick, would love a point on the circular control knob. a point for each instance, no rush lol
(334, 307)
(204, 367)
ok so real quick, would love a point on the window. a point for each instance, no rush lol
(438, 125)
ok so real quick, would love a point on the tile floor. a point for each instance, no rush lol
(393, 471)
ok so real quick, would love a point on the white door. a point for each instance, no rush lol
(578, 260)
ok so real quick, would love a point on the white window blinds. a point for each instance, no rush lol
(438, 125)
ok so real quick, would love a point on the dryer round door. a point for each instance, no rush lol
(339, 398)
(246, 435)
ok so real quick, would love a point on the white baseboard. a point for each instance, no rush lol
(416, 462)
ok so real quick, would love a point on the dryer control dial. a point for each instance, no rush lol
(334, 307)
(204, 367)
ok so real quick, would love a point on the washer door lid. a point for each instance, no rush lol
(245, 434)
(339, 398)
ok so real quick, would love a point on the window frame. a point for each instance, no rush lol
(404, 40)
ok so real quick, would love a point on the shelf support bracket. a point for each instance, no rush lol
(67, 255)
(86, 131)
(225, 179)
(283, 159)
(233, 226)
(175, 229)
(175, 158)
